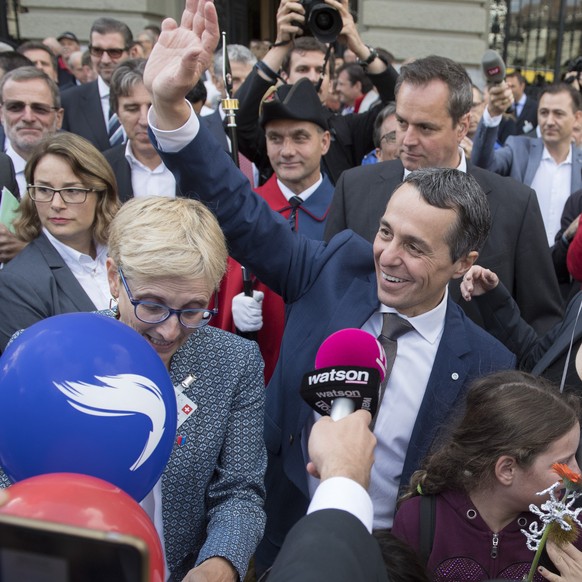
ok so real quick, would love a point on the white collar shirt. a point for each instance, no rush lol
(145, 182)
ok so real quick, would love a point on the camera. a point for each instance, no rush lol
(574, 66)
(322, 21)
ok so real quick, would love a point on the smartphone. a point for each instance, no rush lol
(39, 551)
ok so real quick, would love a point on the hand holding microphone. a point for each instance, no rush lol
(500, 95)
(247, 312)
(343, 448)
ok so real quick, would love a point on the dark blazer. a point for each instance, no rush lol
(7, 175)
(329, 545)
(84, 114)
(535, 353)
(122, 170)
(37, 284)
(2, 138)
(516, 248)
(326, 288)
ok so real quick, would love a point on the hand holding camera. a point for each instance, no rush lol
(313, 17)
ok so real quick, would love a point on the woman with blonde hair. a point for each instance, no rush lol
(64, 217)
(166, 260)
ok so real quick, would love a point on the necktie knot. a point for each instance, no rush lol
(394, 326)
(295, 201)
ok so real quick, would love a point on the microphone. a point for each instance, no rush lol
(493, 67)
(349, 368)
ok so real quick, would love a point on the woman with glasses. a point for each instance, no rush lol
(166, 260)
(64, 217)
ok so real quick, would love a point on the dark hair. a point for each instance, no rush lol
(385, 112)
(11, 60)
(507, 413)
(356, 73)
(125, 77)
(520, 78)
(86, 59)
(556, 88)
(154, 28)
(305, 44)
(458, 191)
(401, 561)
(39, 46)
(197, 93)
(106, 25)
(422, 71)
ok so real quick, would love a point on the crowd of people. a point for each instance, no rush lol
(428, 209)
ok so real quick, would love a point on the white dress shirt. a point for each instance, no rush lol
(91, 273)
(145, 182)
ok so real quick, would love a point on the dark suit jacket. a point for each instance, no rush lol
(535, 353)
(7, 175)
(84, 114)
(122, 170)
(329, 545)
(326, 287)
(37, 284)
(516, 248)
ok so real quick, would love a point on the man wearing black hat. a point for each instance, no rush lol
(297, 137)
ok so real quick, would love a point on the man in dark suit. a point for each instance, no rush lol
(137, 166)
(330, 287)
(525, 107)
(434, 98)
(87, 111)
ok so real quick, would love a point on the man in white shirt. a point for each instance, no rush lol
(138, 168)
(551, 165)
(30, 111)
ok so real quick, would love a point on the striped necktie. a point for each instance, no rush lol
(114, 129)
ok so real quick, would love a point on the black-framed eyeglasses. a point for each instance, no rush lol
(150, 312)
(15, 107)
(114, 53)
(389, 137)
(68, 195)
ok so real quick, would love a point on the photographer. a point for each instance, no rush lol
(574, 75)
(294, 56)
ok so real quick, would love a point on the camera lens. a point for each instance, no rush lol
(323, 21)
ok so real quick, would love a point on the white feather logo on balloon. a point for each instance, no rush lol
(121, 395)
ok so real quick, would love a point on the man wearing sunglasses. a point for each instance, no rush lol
(87, 110)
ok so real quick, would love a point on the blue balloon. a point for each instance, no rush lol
(84, 393)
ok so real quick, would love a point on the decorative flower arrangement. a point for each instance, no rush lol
(559, 520)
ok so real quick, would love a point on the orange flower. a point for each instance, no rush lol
(571, 480)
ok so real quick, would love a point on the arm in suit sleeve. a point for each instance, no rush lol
(538, 296)
(560, 250)
(7, 175)
(486, 156)
(336, 218)
(503, 320)
(236, 493)
(329, 545)
(21, 304)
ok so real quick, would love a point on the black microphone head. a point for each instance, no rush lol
(493, 66)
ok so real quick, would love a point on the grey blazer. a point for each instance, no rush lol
(519, 158)
(37, 284)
